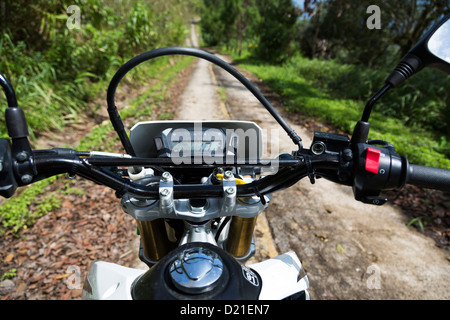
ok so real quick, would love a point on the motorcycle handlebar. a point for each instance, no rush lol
(366, 185)
(96, 169)
(290, 171)
(428, 177)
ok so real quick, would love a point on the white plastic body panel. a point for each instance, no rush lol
(109, 281)
(280, 279)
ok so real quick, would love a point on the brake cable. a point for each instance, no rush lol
(124, 69)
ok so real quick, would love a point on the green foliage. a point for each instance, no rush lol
(15, 214)
(338, 29)
(57, 71)
(419, 222)
(34, 80)
(336, 93)
(11, 273)
(212, 29)
(275, 30)
(423, 101)
(269, 24)
(139, 29)
(52, 68)
(218, 20)
(153, 24)
(22, 210)
(354, 62)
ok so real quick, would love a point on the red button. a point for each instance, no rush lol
(373, 160)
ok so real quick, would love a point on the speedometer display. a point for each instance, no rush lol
(206, 139)
(192, 142)
(197, 146)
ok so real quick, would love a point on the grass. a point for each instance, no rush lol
(11, 273)
(307, 88)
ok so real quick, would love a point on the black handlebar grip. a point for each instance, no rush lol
(428, 177)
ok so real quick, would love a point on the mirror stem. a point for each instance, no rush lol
(369, 105)
(16, 122)
(409, 65)
(361, 130)
(14, 116)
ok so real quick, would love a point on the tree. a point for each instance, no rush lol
(224, 21)
(275, 29)
(269, 23)
(336, 28)
(246, 22)
(410, 19)
(211, 24)
(229, 10)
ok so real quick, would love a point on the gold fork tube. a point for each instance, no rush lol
(155, 241)
(240, 235)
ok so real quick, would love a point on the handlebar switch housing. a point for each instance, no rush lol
(375, 169)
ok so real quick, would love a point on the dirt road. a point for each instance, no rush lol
(350, 250)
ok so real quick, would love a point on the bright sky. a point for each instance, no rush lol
(298, 3)
(439, 43)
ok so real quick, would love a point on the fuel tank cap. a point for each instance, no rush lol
(196, 270)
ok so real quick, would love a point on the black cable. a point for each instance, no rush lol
(114, 114)
(221, 227)
(9, 91)
(168, 162)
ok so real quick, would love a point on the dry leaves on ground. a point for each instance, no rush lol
(52, 258)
